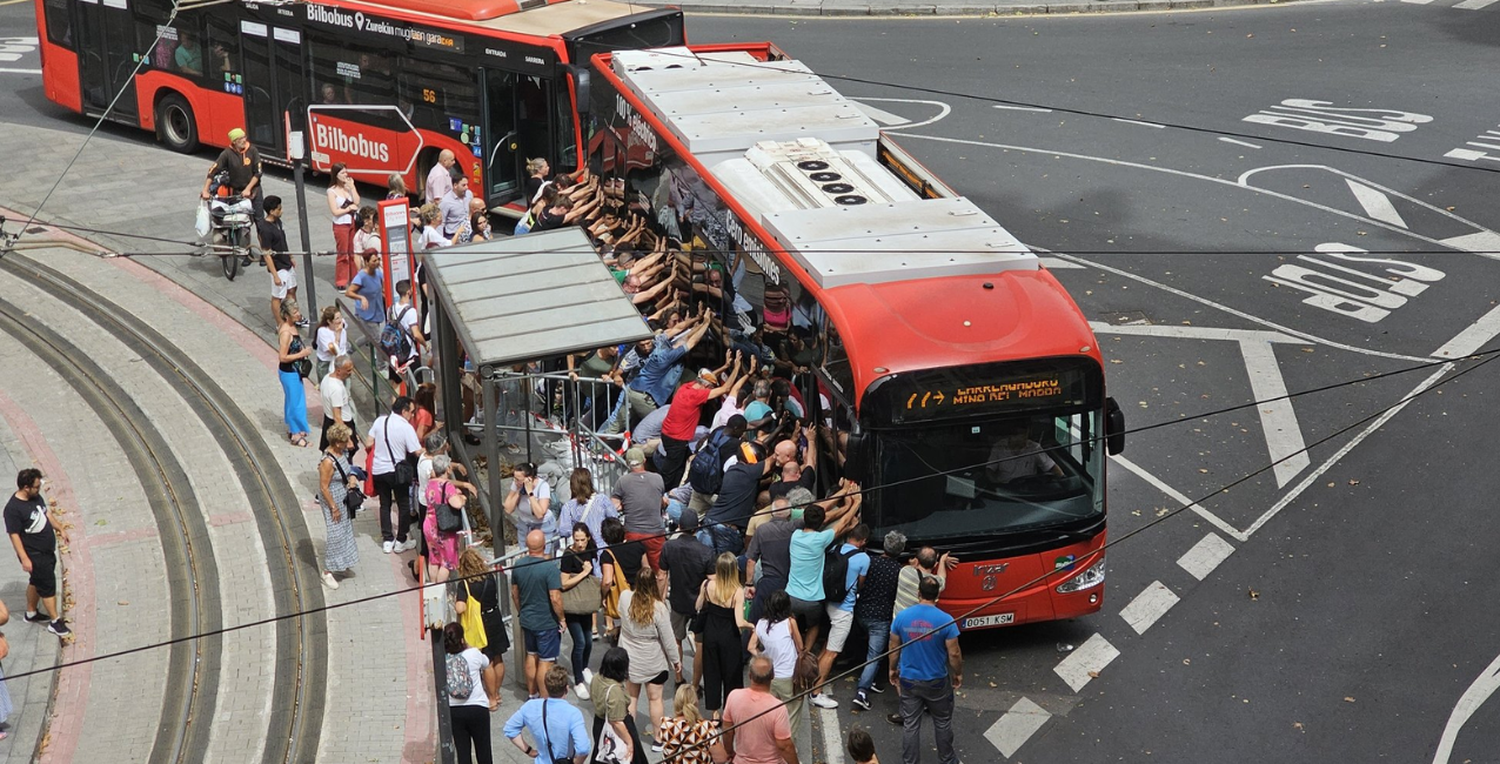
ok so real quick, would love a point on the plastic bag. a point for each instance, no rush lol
(205, 220)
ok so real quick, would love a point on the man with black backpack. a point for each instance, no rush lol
(811, 550)
(844, 572)
(400, 337)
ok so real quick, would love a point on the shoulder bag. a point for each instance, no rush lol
(473, 621)
(610, 747)
(405, 470)
(448, 519)
(546, 738)
(353, 497)
(612, 599)
(584, 597)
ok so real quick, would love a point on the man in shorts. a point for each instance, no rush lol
(273, 249)
(841, 613)
(34, 527)
(536, 587)
(641, 496)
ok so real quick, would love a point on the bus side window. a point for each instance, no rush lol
(59, 23)
(223, 52)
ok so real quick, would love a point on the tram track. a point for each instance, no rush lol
(296, 709)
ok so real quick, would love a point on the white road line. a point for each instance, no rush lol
(1485, 243)
(1149, 606)
(1278, 421)
(1205, 556)
(833, 744)
(1055, 263)
(1473, 338)
(1483, 687)
(1016, 726)
(1021, 108)
(1376, 204)
(1177, 496)
(1474, 5)
(1090, 658)
(880, 115)
(943, 109)
(20, 71)
(1138, 122)
(1350, 446)
(1417, 2)
(1238, 143)
(1177, 331)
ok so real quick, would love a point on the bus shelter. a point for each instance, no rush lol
(500, 311)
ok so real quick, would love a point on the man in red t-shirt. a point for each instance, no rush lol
(682, 419)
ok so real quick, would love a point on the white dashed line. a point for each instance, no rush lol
(833, 744)
(1149, 606)
(1057, 263)
(1205, 556)
(1138, 122)
(1016, 726)
(1022, 108)
(1238, 143)
(1088, 660)
(1473, 338)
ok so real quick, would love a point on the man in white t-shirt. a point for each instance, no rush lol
(440, 179)
(338, 406)
(393, 441)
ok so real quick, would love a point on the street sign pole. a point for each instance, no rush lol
(296, 148)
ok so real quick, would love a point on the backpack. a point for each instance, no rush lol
(836, 573)
(460, 682)
(706, 473)
(394, 340)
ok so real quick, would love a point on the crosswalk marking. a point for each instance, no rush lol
(1086, 662)
(1205, 556)
(1016, 726)
(1474, 5)
(1149, 606)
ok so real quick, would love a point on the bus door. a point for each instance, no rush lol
(518, 108)
(274, 84)
(106, 55)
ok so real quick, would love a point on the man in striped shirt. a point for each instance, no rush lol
(927, 563)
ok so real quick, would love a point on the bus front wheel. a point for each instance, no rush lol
(175, 124)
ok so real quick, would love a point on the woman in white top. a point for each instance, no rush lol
(366, 235)
(343, 200)
(776, 634)
(332, 339)
(646, 633)
(432, 230)
(471, 714)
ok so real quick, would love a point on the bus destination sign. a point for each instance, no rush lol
(1022, 392)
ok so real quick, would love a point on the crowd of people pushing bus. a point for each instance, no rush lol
(722, 540)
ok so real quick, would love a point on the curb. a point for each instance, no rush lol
(901, 8)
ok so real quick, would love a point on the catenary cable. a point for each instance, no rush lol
(1486, 356)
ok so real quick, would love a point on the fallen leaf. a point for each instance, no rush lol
(123, 602)
(1348, 699)
(1204, 471)
(1094, 674)
(1353, 482)
(1254, 595)
(1298, 726)
(1187, 661)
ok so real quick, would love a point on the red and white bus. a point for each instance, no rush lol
(935, 339)
(391, 84)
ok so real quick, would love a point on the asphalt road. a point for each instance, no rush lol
(1334, 607)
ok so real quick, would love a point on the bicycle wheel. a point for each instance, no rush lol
(231, 259)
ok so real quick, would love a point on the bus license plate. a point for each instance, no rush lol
(978, 622)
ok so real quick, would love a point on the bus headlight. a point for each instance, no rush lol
(1088, 579)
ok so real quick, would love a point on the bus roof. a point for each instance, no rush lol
(532, 17)
(926, 280)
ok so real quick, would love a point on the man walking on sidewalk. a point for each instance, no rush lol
(926, 665)
(395, 446)
(273, 249)
(34, 528)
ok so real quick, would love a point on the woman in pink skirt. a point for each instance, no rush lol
(442, 548)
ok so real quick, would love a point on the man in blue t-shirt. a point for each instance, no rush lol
(661, 368)
(924, 657)
(841, 613)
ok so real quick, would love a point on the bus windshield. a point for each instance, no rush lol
(659, 30)
(982, 478)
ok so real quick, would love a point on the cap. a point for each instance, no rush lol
(635, 457)
(707, 376)
(236, 134)
(687, 521)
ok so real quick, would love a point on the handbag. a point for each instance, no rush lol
(583, 598)
(405, 472)
(805, 674)
(610, 747)
(473, 621)
(302, 365)
(448, 519)
(612, 599)
(353, 497)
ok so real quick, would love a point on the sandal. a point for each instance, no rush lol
(299, 441)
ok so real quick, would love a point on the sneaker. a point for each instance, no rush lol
(896, 720)
(407, 545)
(822, 700)
(656, 746)
(588, 677)
(38, 618)
(860, 701)
(60, 628)
(303, 323)
(877, 689)
(329, 581)
(581, 690)
(388, 546)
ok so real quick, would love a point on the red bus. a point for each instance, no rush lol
(937, 346)
(390, 84)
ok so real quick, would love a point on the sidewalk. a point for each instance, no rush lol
(980, 8)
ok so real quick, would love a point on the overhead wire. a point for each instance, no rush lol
(1481, 356)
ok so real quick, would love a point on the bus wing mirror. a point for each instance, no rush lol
(1114, 427)
(855, 458)
(581, 89)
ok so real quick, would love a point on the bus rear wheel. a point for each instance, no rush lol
(175, 125)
